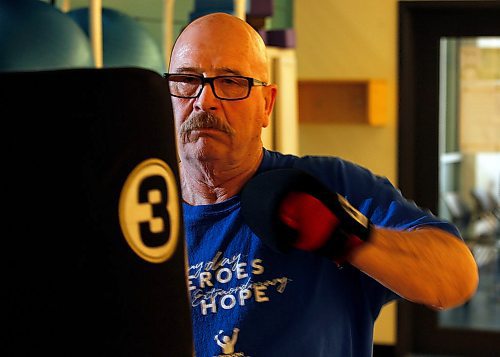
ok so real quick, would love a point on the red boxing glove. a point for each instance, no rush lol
(290, 208)
(332, 228)
(310, 218)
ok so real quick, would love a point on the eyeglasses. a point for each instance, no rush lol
(223, 87)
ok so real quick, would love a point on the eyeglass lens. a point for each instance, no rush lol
(225, 87)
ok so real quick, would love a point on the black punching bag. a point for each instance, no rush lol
(93, 248)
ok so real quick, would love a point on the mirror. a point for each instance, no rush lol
(469, 166)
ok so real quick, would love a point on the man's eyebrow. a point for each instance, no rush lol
(220, 70)
(186, 69)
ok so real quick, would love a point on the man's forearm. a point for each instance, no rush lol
(427, 266)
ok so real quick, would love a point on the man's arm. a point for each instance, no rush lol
(424, 264)
(427, 266)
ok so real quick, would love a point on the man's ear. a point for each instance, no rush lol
(269, 98)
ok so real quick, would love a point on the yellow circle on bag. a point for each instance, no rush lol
(149, 211)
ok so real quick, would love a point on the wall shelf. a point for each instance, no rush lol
(343, 101)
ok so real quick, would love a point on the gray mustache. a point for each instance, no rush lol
(205, 121)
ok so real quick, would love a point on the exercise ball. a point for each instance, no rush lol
(126, 43)
(37, 36)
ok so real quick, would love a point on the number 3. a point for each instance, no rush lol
(149, 211)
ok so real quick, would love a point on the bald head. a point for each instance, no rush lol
(220, 43)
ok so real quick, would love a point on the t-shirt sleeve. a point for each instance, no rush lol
(372, 195)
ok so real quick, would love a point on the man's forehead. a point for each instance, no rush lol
(198, 45)
(209, 59)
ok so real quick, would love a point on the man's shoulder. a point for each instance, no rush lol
(325, 168)
(275, 159)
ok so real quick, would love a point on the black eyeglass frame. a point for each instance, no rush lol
(252, 82)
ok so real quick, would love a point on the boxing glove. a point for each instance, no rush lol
(289, 208)
(328, 225)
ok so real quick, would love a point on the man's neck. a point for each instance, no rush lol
(209, 183)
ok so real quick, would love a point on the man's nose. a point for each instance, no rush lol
(207, 101)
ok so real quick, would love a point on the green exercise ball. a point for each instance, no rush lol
(37, 36)
(126, 43)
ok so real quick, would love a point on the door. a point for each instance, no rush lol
(449, 137)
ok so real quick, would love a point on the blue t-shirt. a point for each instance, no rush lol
(249, 300)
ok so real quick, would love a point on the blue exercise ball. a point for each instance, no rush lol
(125, 42)
(37, 36)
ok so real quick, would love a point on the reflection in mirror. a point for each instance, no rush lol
(469, 168)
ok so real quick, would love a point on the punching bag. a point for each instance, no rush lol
(93, 244)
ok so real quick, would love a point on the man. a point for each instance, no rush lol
(259, 301)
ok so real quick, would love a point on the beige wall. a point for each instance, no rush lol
(355, 39)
